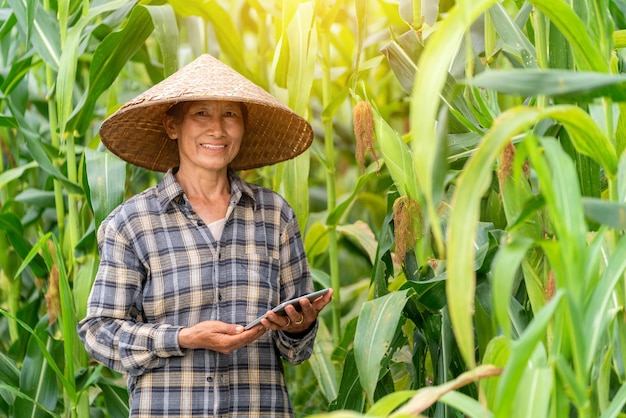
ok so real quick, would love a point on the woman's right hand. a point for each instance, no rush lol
(218, 336)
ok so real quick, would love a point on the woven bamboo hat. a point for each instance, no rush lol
(273, 133)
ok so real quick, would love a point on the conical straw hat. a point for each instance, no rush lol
(273, 133)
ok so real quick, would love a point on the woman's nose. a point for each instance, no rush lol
(214, 125)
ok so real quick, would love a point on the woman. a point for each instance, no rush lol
(187, 263)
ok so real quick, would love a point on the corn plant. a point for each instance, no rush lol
(534, 102)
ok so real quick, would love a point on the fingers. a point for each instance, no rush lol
(277, 322)
(218, 336)
(296, 321)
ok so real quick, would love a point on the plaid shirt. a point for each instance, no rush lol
(161, 270)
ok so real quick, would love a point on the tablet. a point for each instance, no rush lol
(280, 309)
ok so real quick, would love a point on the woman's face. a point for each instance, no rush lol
(208, 132)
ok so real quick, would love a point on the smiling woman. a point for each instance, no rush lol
(187, 263)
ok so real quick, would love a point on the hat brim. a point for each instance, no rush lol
(274, 133)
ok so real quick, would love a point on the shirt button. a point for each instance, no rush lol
(219, 296)
(209, 379)
(200, 223)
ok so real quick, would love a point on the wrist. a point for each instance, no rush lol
(297, 335)
(185, 338)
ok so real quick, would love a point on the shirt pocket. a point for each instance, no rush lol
(262, 284)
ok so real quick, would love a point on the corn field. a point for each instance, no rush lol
(465, 195)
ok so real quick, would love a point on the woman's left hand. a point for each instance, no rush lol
(297, 322)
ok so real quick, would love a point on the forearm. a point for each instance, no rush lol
(127, 346)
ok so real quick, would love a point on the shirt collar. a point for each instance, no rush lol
(169, 189)
(239, 188)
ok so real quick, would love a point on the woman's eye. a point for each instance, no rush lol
(230, 114)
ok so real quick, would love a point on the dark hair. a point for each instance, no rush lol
(177, 112)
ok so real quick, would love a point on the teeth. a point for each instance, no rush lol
(209, 146)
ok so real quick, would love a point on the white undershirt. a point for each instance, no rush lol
(216, 228)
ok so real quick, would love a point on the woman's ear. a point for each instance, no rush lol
(170, 126)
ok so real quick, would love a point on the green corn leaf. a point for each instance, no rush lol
(462, 402)
(620, 145)
(375, 331)
(40, 338)
(397, 156)
(429, 293)
(385, 406)
(512, 36)
(33, 253)
(82, 283)
(617, 404)
(586, 52)
(71, 344)
(19, 69)
(16, 173)
(10, 20)
(573, 387)
(17, 393)
(295, 186)
(575, 86)
(8, 122)
(106, 175)
(9, 373)
(166, 28)
(301, 33)
(13, 227)
(116, 400)
(350, 395)
(36, 378)
(619, 38)
(402, 64)
(334, 217)
(607, 371)
(226, 32)
(605, 212)
(533, 395)
(38, 198)
(338, 414)
(303, 49)
(521, 352)
(316, 240)
(66, 78)
(403, 54)
(555, 171)
(37, 151)
(504, 269)
(321, 363)
(472, 184)
(616, 366)
(41, 30)
(596, 314)
(110, 56)
(586, 136)
(362, 236)
(497, 353)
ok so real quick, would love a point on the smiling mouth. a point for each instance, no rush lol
(215, 147)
